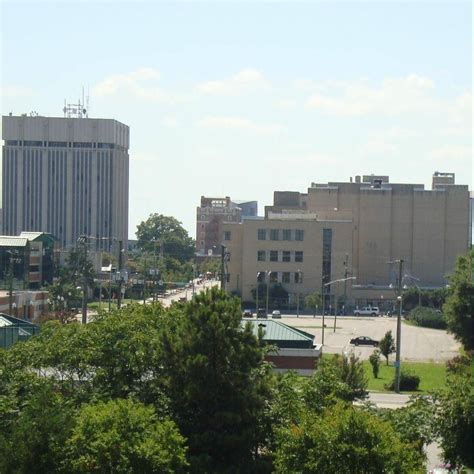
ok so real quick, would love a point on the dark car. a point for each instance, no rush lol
(364, 341)
(261, 313)
(247, 313)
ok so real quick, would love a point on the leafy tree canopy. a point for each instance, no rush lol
(165, 234)
(459, 307)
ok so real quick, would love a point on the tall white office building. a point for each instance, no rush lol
(66, 176)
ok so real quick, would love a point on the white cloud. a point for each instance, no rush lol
(170, 121)
(140, 83)
(286, 104)
(245, 80)
(392, 96)
(13, 92)
(458, 153)
(240, 123)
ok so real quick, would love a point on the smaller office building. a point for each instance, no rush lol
(13, 330)
(295, 349)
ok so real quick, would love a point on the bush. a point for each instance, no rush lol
(408, 382)
(427, 318)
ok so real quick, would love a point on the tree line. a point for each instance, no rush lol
(187, 389)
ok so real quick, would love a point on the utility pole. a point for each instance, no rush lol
(399, 324)
(83, 241)
(346, 261)
(222, 267)
(119, 297)
(267, 279)
(256, 295)
(10, 287)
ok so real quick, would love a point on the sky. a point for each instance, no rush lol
(242, 99)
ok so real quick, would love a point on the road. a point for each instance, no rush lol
(417, 344)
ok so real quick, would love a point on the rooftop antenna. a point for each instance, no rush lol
(75, 110)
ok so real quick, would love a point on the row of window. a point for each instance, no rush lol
(281, 277)
(279, 256)
(280, 234)
(37, 143)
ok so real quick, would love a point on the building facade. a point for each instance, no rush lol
(211, 215)
(355, 228)
(65, 176)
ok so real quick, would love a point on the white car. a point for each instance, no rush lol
(367, 311)
(276, 314)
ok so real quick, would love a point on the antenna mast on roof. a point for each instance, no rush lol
(75, 110)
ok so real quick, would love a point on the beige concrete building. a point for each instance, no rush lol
(65, 176)
(352, 228)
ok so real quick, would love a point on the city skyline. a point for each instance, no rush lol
(241, 100)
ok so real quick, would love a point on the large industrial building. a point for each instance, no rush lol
(66, 176)
(352, 229)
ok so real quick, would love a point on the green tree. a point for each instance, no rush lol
(374, 360)
(313, 301)
(166, 235)
(454, 419)
(459, 306)
(344, 439)
(387, 345)
(215, 383)
(123, 436)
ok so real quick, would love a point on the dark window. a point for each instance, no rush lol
(286, 234)
(227, 235)
(298, 256)
(286, 256)
(32, 143)
(58, 144)
(274, 234)
(273, 255)
(327, 251)
(299, 234)
(109, 146)
(285, 277)
(298, 277)
(261, 255)
(82, 145)
(262, 234)
(12, 142)
(227, 277)
(274, 277)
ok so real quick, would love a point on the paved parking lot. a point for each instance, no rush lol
(418, 344)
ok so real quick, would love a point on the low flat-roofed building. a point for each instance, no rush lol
(294, 349)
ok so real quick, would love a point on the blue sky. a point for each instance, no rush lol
(244, 98)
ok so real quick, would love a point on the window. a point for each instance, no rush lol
(261, 255)
(285, 277)
(32, 143)
(274, 234)
(262, 234)
(298, 277)
(227, 235)
(327, 251)
(274, 277)
(12, 142)
(273, 255)
(299, 234)
(286, 234)
(298, 256)
(286, 256)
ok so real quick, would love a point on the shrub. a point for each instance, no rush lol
(428, 318)
(374, 360)
(408, 382)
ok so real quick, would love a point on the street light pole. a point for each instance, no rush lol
(268, 288)
(399, 324)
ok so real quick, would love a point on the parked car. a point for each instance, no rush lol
(364, 341)
(261, 313)
(276, 314)
(367, 311)
(247, 313)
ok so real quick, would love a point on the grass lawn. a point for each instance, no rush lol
(432, 376)
(105, 304)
